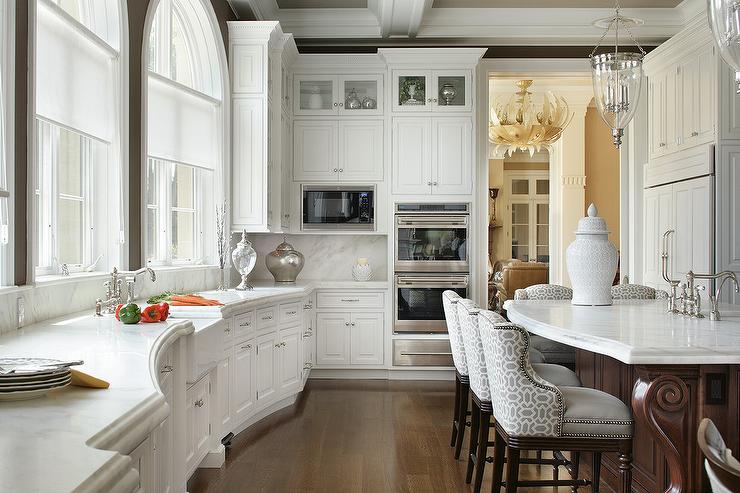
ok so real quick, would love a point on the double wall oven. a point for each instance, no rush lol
(431, 256)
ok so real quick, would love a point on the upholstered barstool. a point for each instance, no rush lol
(462, 382)
(722, 468)
(554, 352)
(532, 413)
(481, 398)
(637, 292)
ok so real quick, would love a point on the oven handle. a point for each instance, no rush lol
(432, 284)
(416, 353)
(433, 221)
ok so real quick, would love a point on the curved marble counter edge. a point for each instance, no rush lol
(129, 430)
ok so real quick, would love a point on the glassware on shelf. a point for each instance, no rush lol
(315, 101)
(353, 102)
(244, 258)
(447, 93)
(369, 103)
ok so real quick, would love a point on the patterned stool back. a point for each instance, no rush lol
(468, 313)
(544, 292)
(637, 292)
(449, 302)
(523, 403)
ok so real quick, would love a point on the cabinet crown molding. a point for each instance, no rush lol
(255, 30)
(695, 34)
(437, 57)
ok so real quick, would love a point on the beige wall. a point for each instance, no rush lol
(602, 172)
(496, 243)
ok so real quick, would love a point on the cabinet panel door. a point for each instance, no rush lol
(332, 338)
(693, 221)
(162, 447)
(202, 423)
(658, 207)
(141, 459)
(265, 367)
(224, 382)
(451, 156)
(287, 177)
(367, 88)
(412, 156)
(705, 110)
(366, 339)
(315, 95)
(670, 110)
(243, 398)
(315, 150)
(689, 87)
(249, 178)
(656, 94)
(290, 360)
(361, 150)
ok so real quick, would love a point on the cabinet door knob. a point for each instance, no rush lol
(435, 184)
(341, 170)
(353, 324)
(335, 170)
(335, 104)
(346, 323)
(429, 183)
(199, 403)
(227, 330)
(247, 347)
(435, 100)
(341, 104)
(277, 345)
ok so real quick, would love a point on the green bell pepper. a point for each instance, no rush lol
(130, 314)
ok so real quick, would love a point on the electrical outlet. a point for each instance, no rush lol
(20, 311)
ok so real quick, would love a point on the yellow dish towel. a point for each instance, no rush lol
(82, 379)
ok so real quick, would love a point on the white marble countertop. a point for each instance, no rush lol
(634, 332)
(266, 292)
(49, 444)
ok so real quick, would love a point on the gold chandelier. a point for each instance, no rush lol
(517, 124)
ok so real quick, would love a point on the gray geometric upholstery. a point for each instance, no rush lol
(637, 292)
(595, 414)
(525, 404)
(449, 302)
(554, 352)
(544, 292)
(467, 313)
(555, 374)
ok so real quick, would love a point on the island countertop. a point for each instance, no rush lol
(634, 331)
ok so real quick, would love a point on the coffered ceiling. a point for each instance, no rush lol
(546, 23)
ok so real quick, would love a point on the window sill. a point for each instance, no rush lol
(51, 280)
(8, 290)
(186, 267)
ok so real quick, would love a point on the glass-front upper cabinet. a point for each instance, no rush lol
(332, 95)
(438, 90)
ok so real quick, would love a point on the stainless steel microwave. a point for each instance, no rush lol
(338, 207)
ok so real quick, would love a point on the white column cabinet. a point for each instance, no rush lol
(244, 395)
(432, 156)
(366, 339)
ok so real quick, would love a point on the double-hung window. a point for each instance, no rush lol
(184, 170)
(78, 151)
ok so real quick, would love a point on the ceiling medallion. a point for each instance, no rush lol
(518, 123)
(617, 79)
(724, 17)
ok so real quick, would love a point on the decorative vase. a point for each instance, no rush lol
(284, 263)
(369, 103)
(353, 101)
(223, 279)
(362, 271)
(592, 261)
(447, 93)
(244, 258)
(315, 101)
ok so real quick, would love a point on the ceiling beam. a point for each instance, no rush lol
(399, 18)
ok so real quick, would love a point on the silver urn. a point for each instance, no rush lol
(285, 262)
(447, 92)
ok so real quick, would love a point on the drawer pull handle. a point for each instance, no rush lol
(409, 353)
(350, 299)
(292, 312)
(166, 369)
(307, 366)
(227, 330)
(268, 317)
(694, 134)
(245, 324)
(247, 347)
(199, 403)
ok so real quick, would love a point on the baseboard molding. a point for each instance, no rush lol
(382, 374)
(272, 408)
(214, 459)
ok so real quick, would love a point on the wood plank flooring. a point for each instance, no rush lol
(352, 436)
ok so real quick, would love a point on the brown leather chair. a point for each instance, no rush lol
(510, 275)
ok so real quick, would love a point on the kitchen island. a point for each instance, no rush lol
(673, 370)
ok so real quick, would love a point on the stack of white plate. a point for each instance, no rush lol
(28, 378)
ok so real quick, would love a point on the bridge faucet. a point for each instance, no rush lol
(714, 314)
(672, 296)
(112, 294)
(131, 281)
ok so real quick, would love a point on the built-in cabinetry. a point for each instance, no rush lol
(349, 328)
(198, 422)
(345, 95)
(417, 90)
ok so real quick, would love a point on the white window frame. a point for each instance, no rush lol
(532, 199)
(108, 239)
(7, 136)
(209, 72)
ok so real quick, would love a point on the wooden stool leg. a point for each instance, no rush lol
(625, 471)
(512, 470)
(596, 475)
(480, 464)
(539, 456)
(555, 471)
(456, 411)
(575, 460)
(499, 449)
(474, 420)
(463, 412)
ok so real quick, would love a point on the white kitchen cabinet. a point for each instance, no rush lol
(696, 102)
(264, 369)
(329, 150)
(198, 419)
(163, 446)
(309, 341)
(432, 156)
(290, 359)
(332, 338)
(658, 207)
(224, 375)
(244, 395)
(322, 95)
(427, 90)
(656, 96)
(366, 339)
(141, 460)
(249, 180)
(287, 167)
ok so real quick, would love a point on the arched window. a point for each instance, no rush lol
(78, 136)
(185, 144)
(6, 23)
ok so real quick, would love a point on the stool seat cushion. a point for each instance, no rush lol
(556, 374)
(591, 413)
(535, 356)
(552, 351)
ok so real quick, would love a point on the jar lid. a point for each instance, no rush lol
(592, 223)
(284, 246)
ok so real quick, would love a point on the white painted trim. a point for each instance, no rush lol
(395, 373)
(7, 73)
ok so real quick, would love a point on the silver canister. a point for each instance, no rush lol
(285, 262)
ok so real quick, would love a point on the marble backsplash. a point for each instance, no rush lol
(328, 257)
(54, 299)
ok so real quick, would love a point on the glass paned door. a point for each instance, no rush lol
(363, 95)
(520, 231)
(411, 91)
(315, 95)
(451, 90)
(543, 233)
(529, 216)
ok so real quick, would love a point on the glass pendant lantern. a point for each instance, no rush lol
(617, 79)
(724, 19)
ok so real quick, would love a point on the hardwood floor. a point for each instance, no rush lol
(352, 436)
